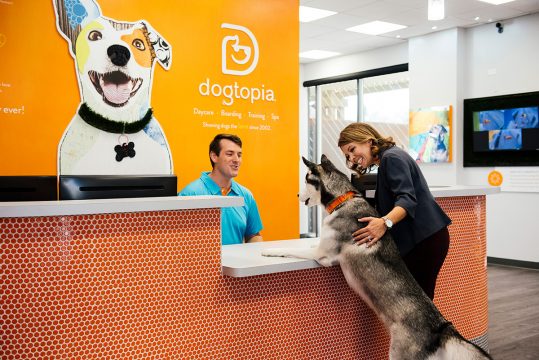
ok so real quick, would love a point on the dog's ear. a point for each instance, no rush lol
(162, 49)
(309, 164)
(326, 163)
(72, 16)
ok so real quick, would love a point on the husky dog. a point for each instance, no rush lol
(377, 273)
(524, 118)
(114, 131)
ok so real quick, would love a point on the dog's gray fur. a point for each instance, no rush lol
(378, 274)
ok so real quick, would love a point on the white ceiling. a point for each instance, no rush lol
(329, 33)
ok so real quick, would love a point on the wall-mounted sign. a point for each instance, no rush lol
(113, 131)
(518, 178)
(235, 69)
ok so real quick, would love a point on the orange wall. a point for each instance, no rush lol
(39, 92)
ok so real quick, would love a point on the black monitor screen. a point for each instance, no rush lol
(363, 183)
(27, 188)
(81, 187)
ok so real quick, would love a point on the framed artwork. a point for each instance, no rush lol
(430, 134)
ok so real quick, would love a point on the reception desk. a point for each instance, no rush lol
(146, 279)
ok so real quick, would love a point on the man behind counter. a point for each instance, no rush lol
(238, 224)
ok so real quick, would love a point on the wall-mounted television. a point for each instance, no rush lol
(502, 130)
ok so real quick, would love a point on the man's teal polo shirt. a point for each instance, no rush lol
(236, 222)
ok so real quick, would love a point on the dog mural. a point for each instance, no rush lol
(114, 131)
(434, 148)
(376, 273)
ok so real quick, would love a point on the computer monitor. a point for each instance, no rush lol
(28, 188)
(363, 183)
(81, 187)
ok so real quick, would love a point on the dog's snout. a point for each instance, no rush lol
(118, 54)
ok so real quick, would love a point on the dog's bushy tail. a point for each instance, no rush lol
(455, 347)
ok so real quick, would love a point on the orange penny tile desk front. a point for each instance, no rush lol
(143, 279)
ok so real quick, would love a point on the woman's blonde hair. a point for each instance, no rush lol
(362, 133)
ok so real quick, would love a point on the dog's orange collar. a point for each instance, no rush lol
(339, 200)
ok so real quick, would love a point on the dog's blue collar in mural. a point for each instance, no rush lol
(118, 127)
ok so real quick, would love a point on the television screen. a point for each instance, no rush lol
(502, 130)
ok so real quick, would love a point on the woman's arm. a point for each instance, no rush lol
(376, 227)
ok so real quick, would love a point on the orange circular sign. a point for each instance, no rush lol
(495, 178)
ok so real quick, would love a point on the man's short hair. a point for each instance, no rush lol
(215, 145)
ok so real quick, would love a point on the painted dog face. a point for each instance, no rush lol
(114, 59)
(122, 65)
(437, 132)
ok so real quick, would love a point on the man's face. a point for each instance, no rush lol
(228, 162)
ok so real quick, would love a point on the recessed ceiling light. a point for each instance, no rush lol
(434, 27)
(489, 20)
(496, 2)
(318, 54)
(436, 10)
(477, 18)
(376, 28)
(307, 14)
(398, 36)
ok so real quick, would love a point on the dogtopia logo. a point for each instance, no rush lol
(239, 57)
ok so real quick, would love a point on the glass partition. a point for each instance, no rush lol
(382, 101)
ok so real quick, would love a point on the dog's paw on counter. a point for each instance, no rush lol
(275, 252)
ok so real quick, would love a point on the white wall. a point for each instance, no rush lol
(446, 67)
(514, 57)
(434, 74)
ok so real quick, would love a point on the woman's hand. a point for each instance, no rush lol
(371, 233)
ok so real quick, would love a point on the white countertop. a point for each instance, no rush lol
(246, 259)
(106, 206)
(455, 190)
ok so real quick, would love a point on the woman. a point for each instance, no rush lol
(416, 222)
